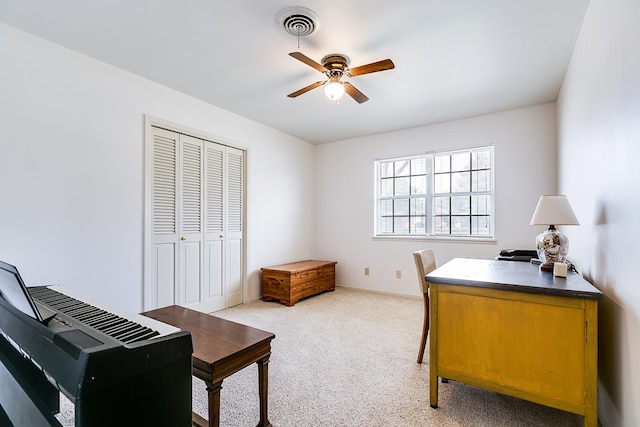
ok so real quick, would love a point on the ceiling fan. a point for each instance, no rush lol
(335, 66)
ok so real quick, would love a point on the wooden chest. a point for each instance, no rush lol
(288, 283)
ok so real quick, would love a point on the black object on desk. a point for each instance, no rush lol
(517, 255)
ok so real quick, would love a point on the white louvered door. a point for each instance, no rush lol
(213, 279)
(197, 220)
(190, 244)
(233, 235)
(163, 249)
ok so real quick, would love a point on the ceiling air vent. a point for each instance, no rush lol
(299, 21)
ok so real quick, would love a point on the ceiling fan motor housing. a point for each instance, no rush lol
(336, 64)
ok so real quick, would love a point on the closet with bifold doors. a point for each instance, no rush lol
(194, 251)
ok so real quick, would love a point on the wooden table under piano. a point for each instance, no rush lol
(221, 348)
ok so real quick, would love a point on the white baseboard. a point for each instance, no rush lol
(379, 292)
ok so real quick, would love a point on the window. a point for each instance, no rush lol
(443, 194)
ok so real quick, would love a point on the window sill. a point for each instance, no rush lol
(465, 240)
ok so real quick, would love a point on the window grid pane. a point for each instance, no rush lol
(386, 169)
(402, 196)
(440, 194)
(417, 225)
(442, 183)
(386, 187)
(401, 186)
(469, 194)
(460, 182)
(401, 168)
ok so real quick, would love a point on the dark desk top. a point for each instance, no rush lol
(512, 276)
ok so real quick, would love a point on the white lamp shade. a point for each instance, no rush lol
(334, 89)
(553, 209)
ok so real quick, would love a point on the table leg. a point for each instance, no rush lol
(590, 419)
(213, 391)
(433, 344)
(433, 390)
(263, 391)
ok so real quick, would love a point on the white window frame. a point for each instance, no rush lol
(408, 216)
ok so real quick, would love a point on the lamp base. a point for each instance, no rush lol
(546, 267)
(551, 246)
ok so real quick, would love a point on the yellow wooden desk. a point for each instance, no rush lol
(511, 328)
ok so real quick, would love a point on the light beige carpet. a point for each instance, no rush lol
(348, 358)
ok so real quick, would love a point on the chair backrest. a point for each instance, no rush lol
(425, 264)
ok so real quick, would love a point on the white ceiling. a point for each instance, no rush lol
(453, 58)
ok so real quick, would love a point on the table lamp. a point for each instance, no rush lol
(551, 245)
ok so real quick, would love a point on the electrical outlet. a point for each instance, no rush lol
(398, 274)
(366, 271)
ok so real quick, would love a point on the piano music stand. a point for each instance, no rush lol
(220, 349)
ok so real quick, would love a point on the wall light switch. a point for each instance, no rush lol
(398, 274)
(366, 271)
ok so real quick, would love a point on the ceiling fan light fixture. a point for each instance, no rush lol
(334, 89)
(336, 66)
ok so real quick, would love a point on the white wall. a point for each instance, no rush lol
(525, 168)
(71, 181)
(72, 171)
(599, 142)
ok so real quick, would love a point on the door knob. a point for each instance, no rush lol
(221, 236)
(183, 238)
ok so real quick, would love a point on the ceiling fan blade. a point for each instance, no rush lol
(355, 93)
(385, 64)
(305, 89)
(310, 62)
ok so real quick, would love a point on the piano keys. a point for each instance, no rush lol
(127, 328)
